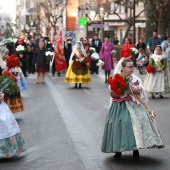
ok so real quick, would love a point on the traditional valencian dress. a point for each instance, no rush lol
(129, 125)
(11, 140)
(158, 82)
(78, 72)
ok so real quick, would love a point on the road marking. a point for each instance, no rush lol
(105, 106)
(87, 91)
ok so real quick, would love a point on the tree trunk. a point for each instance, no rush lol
(162, 24)
(126, 33)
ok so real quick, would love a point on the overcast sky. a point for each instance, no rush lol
(9, 7)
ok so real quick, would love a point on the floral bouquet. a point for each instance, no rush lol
(12, 61)
(134, 51)
(20, 49)
(119, 84)
(8, 83)
(48, 55)
(91, 50)
(150, 69)
(100, 63)
(86, 60)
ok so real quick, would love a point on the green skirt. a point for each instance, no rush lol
(118, 133)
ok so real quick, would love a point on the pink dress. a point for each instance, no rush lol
(106, 55)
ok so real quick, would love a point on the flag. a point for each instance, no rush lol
(59, 59)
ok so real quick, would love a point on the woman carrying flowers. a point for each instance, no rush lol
(78, 71)
(11, 140)
(126, 51)
(9, 81)
(20, 47)
(129, 124)
(157, 80)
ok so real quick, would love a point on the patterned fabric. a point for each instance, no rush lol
(12, 146)
(41, 69)
(77, 76)
(22, 84)
(129, 127)
(14, 102)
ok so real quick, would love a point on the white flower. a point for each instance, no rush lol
(100, 63)
(20, 48)
(48, 53)
(91, 48)
(134, 50)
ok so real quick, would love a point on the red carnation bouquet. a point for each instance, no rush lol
(150, 69)
(7, 73)
(120, 84)
(8, 83)
(12, 61)
(86, 60)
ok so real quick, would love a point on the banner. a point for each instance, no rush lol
(59, 59)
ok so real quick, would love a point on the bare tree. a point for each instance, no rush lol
(53, 10)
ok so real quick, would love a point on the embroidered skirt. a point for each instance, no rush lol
(78, 73)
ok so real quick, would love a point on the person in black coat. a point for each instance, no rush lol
(96, 43)
(67, 49)
(40, 61)
(22, 57)
(31, 49)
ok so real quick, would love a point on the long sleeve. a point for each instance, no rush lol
(102, 52)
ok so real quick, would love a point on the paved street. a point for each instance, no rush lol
(63, 129)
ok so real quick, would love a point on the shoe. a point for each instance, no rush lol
(80, 85)
(106, 81)
(161, 96)
(37, 82)
(75, 85)
(136, 154)
(91, 73)
(43, 82)
(117, 155)
(153, 96)
(97, 73)
(53, 75)
(26, 75)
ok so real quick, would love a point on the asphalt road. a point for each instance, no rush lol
(63, 129)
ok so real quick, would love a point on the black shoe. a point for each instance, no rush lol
(97, 73)
(161, 96)
(106, 81)
(91, 73)
(136, 154)
(153, 96)
(53, 75)
(75, 85)
(117, 155)
(80, 85)
(26, 75)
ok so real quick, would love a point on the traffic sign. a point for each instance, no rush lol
(77, 26)
(97, 25)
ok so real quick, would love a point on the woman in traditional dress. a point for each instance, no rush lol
(106, 56)
(11, 140)
(14, 101)
(78, 71)
(157, 82)
(126, 49)
(129, 124)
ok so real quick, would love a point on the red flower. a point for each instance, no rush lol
(87, 59)
(119, 84)
(6, 73)
(150, 69)
(12, 61)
